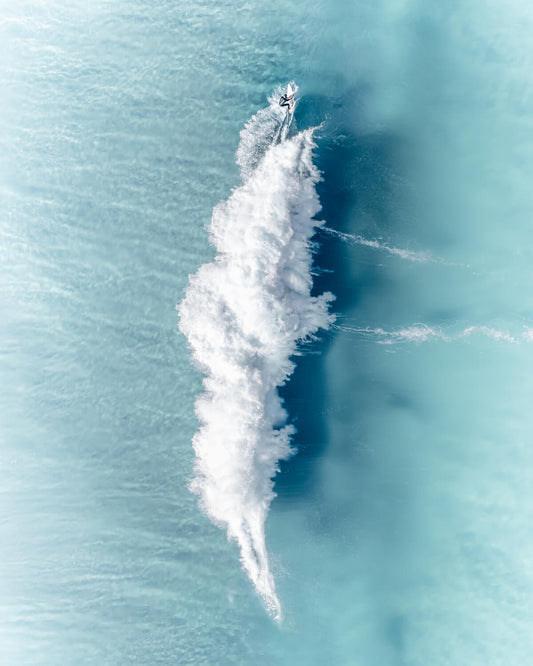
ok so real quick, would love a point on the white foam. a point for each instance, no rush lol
(415, 333)
(409, 255)
(494, 333)
(422, 332)
(266, 128)
(243, 315)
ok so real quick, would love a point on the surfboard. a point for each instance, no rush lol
(290, 91)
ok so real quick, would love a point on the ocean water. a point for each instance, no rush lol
(324, 456)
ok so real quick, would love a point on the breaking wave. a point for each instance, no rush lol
(244, 315)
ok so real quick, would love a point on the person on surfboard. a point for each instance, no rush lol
(287, 99)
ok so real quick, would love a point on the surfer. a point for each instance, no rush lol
(287, 99)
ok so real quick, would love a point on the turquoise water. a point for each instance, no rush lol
(400, 531)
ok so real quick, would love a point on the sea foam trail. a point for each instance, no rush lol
(422, 333)
(244, 315)
(409, 255)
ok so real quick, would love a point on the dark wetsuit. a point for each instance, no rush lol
(285, 100)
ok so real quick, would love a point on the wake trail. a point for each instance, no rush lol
(244, 315)
(419, 333)
(409, 255)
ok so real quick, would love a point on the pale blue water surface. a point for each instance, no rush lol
(401, 531)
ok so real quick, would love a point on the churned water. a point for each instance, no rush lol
(355, 310)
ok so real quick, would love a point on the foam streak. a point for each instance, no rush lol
(409, 255)
(422, 333)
